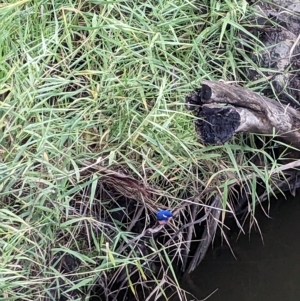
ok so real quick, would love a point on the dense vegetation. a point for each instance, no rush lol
(91, 91)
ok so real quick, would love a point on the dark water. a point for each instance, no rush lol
(264, 270)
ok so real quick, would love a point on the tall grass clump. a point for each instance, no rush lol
(92, 103)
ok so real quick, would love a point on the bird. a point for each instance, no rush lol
(163, 216)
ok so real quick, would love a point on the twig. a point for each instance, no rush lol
(286, 166)
(157, 287)
(189, 239)
(208, 234)
(147, 232)
(135, 219)
(294, 46)
(198, 221)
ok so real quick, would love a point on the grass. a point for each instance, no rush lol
(105, 81)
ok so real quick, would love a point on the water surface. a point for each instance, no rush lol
(264, 270)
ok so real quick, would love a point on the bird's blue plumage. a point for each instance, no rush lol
(163, 216)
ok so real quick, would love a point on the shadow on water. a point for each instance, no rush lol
(264, 270)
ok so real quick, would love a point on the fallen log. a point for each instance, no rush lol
(225, 110)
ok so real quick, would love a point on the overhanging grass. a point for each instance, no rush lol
(94, 80)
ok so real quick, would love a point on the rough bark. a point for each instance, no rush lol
(225, 110)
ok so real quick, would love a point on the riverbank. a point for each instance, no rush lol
(95, 139)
